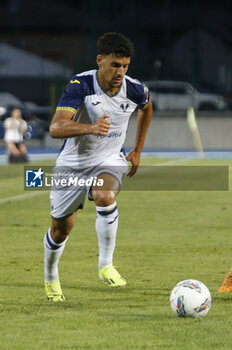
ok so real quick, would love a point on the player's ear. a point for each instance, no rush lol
(99, 60)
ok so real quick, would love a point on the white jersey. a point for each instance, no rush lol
(13, 130)
(84, 96)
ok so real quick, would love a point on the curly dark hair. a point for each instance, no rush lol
(115, 43)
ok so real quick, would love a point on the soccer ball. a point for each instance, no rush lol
(190, 298)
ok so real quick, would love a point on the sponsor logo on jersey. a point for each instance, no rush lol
(112, 134)
(75, 81)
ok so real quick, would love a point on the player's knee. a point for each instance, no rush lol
(103, 198)
(58, 235)
(60, 231)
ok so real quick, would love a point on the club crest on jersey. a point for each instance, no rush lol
(124, 106)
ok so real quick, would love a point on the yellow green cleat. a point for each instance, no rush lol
(53, 291)
(111, 276)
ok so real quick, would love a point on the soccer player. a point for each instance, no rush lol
(92, 116)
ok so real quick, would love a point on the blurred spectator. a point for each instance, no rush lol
(15, 128)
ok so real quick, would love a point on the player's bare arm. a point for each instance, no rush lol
(62, 126)
(144, 119)
(22, 127)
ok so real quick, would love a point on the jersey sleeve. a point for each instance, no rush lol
(73, 95)
(138, 93)
(145, 98)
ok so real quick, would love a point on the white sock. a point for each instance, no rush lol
(106, 227)
(52, 254)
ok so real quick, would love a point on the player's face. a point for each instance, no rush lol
(111, 71)
(16, 113)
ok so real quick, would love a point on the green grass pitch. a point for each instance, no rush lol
(163, 237)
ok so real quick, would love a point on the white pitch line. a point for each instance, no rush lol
(171, 162)
(20, 196)
(147, 168)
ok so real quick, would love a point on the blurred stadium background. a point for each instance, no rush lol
(43, 43)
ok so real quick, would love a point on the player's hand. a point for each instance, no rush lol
(134, 158)
(101, 127)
